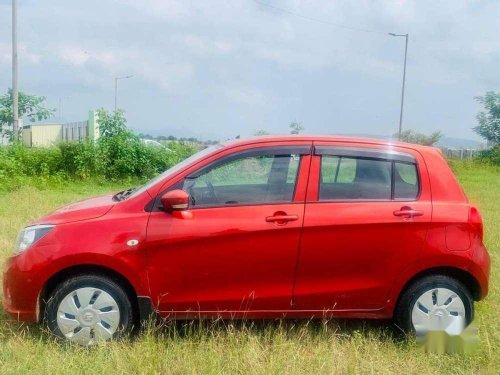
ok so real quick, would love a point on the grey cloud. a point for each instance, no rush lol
(213, 68)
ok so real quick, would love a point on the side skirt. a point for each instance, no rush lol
(274, 314)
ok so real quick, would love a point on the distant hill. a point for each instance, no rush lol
(449, 142)
(452, 142)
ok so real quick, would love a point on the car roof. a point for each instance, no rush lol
(324, 138)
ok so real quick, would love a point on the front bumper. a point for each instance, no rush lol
(21, 289)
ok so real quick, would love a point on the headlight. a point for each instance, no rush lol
(30, 235)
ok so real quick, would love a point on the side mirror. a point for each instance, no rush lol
(175, 200)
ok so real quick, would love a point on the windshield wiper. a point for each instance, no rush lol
(128, 192)
(122, 195)
(118, 196)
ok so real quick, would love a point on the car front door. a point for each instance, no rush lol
(235, 248)
(366, 219)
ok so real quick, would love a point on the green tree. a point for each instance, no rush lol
(29, 106)
(260, 132)
(412, 136)
(296, 127)
(117, 146)
(113, 124)
(489, 119)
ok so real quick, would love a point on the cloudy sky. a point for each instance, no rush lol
(216, 69)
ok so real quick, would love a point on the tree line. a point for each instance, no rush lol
(32, 107)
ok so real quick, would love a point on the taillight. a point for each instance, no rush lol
(476, 221)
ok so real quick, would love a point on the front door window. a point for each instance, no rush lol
(264, 178)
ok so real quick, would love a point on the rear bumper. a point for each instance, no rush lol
(480, 267)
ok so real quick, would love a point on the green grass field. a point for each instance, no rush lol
(248, 347)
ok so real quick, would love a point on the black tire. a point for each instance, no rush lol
(94, 281)
(403, 311)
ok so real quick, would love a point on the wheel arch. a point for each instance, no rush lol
(466, 278)
(87, 269)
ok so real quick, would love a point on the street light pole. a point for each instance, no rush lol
(116, 90)
(15, 95)
(404, 81)
(116, 86)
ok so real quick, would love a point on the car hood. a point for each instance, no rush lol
(82, 210)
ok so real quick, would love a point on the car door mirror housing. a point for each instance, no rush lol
(175, 200)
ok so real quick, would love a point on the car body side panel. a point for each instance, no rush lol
(100, 242)
(218, 259)
(340, 273)
(225, 259)
(352, 251)
(444, 184)
(451, 241)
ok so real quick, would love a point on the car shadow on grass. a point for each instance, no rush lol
(194, 330)
(341, 329)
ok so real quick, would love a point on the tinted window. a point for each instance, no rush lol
(405, 181)
(176, 168)
(346, 172)
(329, 167)
(354, 178)
(246, 180)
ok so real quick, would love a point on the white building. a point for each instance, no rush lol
(48, 134)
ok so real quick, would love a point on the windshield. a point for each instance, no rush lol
(174, 169)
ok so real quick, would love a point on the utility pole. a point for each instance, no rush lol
(404, 80)
(15, 94)
(116, 86)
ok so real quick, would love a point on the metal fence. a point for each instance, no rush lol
(75, 131)
(460, 153)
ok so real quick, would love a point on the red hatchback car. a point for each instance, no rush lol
(270, 227)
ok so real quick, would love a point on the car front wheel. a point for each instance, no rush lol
(88, 308)
(435, 303)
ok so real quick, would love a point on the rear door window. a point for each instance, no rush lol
(354, 178)
(364, 174)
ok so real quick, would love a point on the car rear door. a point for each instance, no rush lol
(236, 247)
(367, 214)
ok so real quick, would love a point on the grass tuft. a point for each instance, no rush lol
(249, 347)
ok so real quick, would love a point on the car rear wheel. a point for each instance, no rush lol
(435, 303)
(87, 309)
